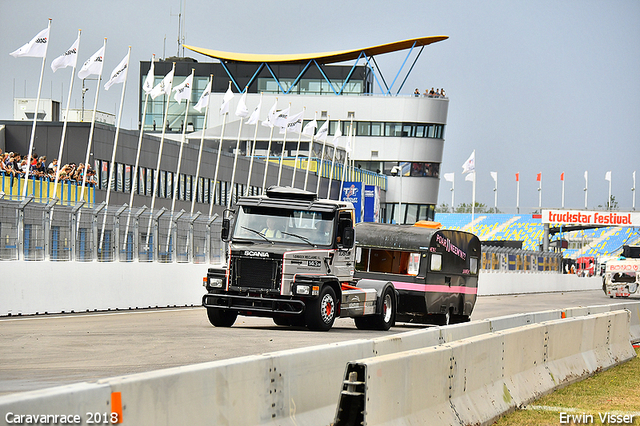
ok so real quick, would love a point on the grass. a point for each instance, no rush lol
(615, 391)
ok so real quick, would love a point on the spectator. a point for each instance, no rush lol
(416, 92)
(432, 93)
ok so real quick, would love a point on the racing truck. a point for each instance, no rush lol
(301, 261)
(622, 276)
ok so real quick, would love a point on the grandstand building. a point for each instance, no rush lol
(397, 140)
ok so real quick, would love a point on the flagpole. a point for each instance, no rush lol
(113, 154)
(310, 153)
(253, 149)
(93, 126)
(64, 127)
(235, 163)
(215, 177)
(284, 146)
(453, 186)
(333, 159)
(266, 166)
(633, 191)
(586, 188)
(176, 179)
(518, 193)
(204, 128)
(134, 183)
(320, 167)
(35, 119)
(609, 199)
(563, 190)
(295, 163)
(540, 192)
(473, 201)
(346, 161)
(157, 171)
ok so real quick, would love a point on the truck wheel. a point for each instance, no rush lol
(363, 323)
(387, 317)
(321, 312)
(221, 317)
(281, 321)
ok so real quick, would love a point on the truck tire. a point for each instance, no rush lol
(281, 321)
(383, 320)
(221, 317)
(321, 312)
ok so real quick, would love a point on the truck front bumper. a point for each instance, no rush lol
(260, 306)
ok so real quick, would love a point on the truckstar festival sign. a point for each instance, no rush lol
(582, 217)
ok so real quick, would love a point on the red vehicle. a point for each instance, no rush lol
(586, 266)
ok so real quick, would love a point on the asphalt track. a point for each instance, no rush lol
(51, 350)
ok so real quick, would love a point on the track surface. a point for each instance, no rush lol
(43, 351)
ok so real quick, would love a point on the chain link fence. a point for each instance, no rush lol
(36, 232)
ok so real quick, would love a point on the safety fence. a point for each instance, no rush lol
(462, 374)
(503, 259)
(31, 230)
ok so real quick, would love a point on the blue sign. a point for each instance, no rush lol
(371, 203)
(352, 192)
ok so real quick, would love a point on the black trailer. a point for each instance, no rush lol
(435, 271)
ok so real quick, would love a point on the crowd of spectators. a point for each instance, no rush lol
(15, 165)
(437, 93)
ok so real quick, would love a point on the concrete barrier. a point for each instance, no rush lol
(55, 287)
(484, 376)
(509, 283)
(300, 387)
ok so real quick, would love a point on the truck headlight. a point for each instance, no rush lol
(215, 282)
(302, 289)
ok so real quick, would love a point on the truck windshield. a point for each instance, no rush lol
(277, 225)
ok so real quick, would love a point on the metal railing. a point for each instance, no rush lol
(35, 231)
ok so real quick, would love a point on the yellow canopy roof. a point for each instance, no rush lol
(325, 58)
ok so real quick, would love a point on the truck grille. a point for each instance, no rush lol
(250, 272)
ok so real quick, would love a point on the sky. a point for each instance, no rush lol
(534, 86)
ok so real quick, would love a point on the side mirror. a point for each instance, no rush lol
(348, 237)
(224, 231)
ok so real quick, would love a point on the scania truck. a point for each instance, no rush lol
(296, 258)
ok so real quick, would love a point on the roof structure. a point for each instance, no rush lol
(321, 59)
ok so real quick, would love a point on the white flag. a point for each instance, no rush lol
(255, 115)
(93, 65)
(607, 176)
(268, 122)
(204, 98)
(470, 164)
(494, 175)
(449, 177)
(470, 177)
(36, 48)
(310, 128)
(68, 58)
(281, 119)
(242, 110)
(294, 123)
(224, 108)
(183, 90)
(148, 82)
(323, 131)
(348, 145)
(586, 175)
(164, 87)
(338, 135)
(119, 73)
